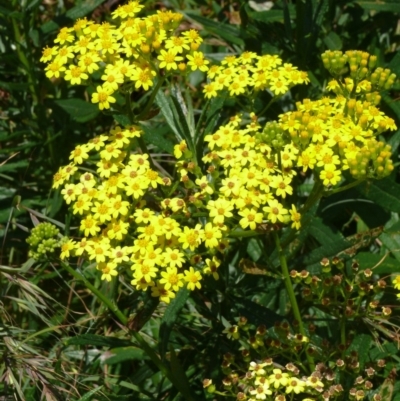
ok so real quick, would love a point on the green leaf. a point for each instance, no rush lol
(394, 64)
(254, 312)
(11, 86)
(383, 192)
(213, 113)
(267, 16)
(122, 354)
(394, 140)
(180, 377)
(88, 395)
(225, 31)
(361, 344)
(97, 341)
(78, 109)
(322, 232)
(333, 41)
(381, 264)
(254, 249)
(170, 316)
(83, 9)
(312, 259)
(391, 239)
(156, 136)
(166, 109)
(13, 166)
(380, 5)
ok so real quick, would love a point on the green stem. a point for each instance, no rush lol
(131, 117)
(269, 104)
(110, 305)
(344, 188)
(151, 100)
(292, 295)
(315, 195)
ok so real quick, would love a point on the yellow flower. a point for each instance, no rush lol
(193, 279)
(66, 249)
(197, 61)
(295, 385)
(103, 97)
(173, 258)
(275, 211)
(250, 218)
(75, 74)
(168, 59)
(330, 176)
(295, 217)
(108, 270)
(396, 282)
(212, 235)
(161, 292)
(143, 78)
(171, 279)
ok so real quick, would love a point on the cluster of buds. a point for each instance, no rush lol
(43, 241)
(362, 289)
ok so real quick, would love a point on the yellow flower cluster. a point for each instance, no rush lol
(130, 53)
(128, 219)
(334, 135)
(125, 223)
(248, 179)
(265, 381)
(250, 72)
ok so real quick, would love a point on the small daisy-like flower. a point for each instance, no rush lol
(193, 279)
(103, 97)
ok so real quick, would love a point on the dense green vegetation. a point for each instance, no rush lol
(71, 332)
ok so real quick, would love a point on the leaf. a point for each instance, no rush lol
(78, 109)
(394, 64)
(122, 354)
(213, 113)
(254, 312)
(381, 264)
(361, 344)
(313, 258)
(13, 166)
(333, 41)
(323, 232)
(254, 249)
(225, 31)
(166, 109)
(89, 394)
(394, 140)
(156, 136)
(267, 16)
(170, 316)
(380, 5)
(180, 377)
(383, 192)
(391, 239)
(97, 341)
(83, 9)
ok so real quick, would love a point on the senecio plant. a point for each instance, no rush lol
(166, 230)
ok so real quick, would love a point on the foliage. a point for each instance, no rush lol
(226, 227)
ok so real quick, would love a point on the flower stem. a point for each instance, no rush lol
(107, 302)
(292, 295)
(151, 100)
(344, 188)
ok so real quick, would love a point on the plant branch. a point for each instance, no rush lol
(291, 294)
